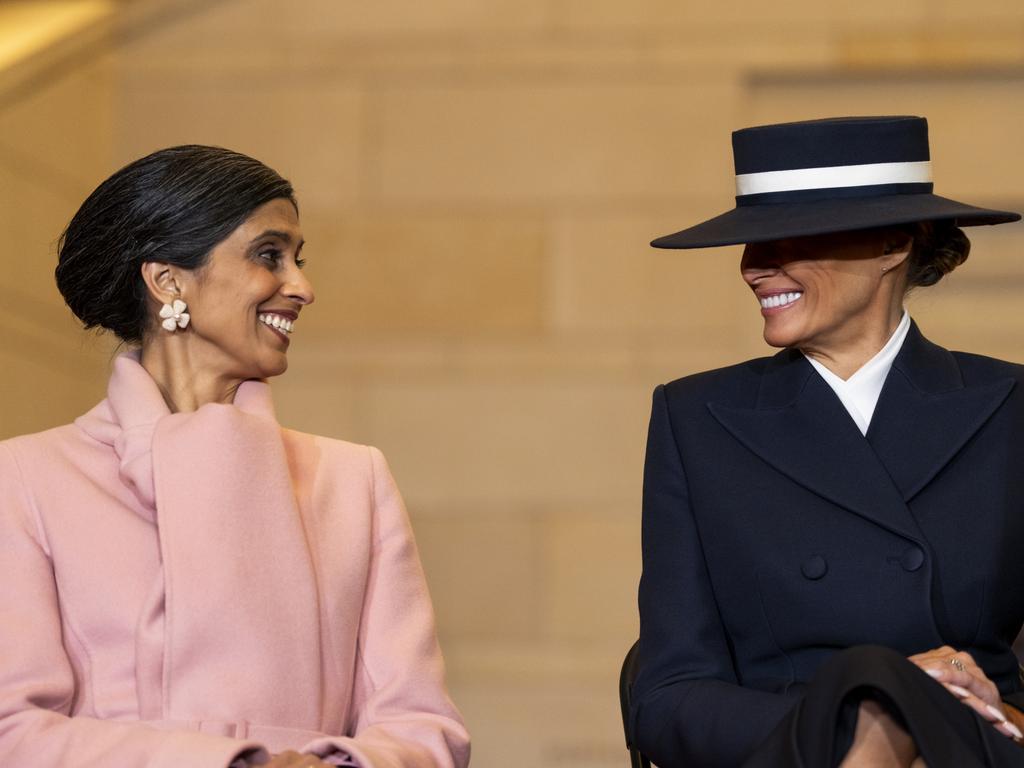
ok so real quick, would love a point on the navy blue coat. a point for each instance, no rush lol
(775, 534)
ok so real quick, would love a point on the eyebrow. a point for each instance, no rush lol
(280, 234)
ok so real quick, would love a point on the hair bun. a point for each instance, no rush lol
(939, 248)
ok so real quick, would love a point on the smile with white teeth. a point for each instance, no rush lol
(780, 300)
(278, 322)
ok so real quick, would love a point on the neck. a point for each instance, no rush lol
(845, 352)
(184, 376)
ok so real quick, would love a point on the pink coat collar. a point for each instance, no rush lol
(127, 419)
(234, 555)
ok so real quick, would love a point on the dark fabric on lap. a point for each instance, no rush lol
(818, 732)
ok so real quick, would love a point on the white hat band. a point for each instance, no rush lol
(833, 177)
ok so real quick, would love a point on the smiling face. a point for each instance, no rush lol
(244, 301)
(827, 292)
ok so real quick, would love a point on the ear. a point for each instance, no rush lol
(896, 250)
(162, 281)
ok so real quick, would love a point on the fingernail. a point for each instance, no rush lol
(963, 693)
(997, 714)
(933, 673)
(1014, 730)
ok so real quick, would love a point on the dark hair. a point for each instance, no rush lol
(172, 206)
(939, 248)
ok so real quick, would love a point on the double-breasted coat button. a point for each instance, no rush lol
(912, 559)
(814, 567)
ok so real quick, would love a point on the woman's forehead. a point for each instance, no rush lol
(277, 218)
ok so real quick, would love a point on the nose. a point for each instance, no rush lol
(759, 260)
(297, 286)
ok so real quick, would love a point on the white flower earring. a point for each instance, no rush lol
(174, 315)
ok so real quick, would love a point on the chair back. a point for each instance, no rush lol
(626, 677)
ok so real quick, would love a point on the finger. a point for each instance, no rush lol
(947, 655)
(956, 690)
(991, 715)
(942, 664)
(995, 716)
(967, 658)
(1001, 728)
(962, 662)
(977, 684)
(947, 674)
(935, 653)
(1009, 730)
(1015, 732)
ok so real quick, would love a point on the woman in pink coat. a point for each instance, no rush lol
(185, 582)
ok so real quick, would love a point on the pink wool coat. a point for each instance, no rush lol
(179, 589)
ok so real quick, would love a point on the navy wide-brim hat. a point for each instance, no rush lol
(834, 175)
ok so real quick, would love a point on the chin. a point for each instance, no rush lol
(778, 339)
(783, 334)
(269, 368)
(276, 370)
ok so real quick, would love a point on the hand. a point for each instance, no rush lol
(962, 677)
(292, 759)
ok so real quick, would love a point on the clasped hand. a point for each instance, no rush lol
(962, 677)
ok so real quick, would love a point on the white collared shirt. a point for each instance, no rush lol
(859, 393)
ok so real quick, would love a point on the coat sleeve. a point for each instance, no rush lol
(404, 718)
(687, 705)
(37, 685)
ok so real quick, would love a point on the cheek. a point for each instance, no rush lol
(841, 297)
(228, 306)
(830, 291)
(226, 312)
(827, 288)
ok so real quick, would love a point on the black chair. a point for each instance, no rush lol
(626, 677)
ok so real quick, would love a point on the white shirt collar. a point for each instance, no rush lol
(859, 393)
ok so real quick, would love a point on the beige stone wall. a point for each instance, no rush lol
(56, 121)
(478, 182)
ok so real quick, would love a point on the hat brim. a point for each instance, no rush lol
(777, 221)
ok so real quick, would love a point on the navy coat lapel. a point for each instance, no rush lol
(800, 427)
(926, 414)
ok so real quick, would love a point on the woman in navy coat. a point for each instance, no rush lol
(833, 537)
